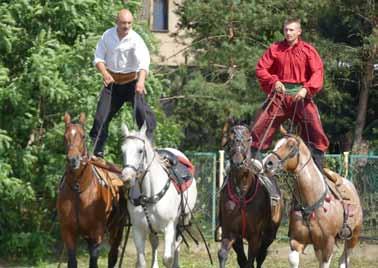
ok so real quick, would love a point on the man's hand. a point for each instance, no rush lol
(108, 79)
(301, 94)
(139, 87)
(279, 87)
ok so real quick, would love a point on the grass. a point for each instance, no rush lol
(365, 255)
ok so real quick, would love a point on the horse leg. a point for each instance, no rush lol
(70, 242)
(260, 258)
(94, 252)
(296, 248)
(154, 241)
(224, 250)
(169, 244)
(139, 237)
(115, 238)
(176, 261)
(240, 254)
(349, 245)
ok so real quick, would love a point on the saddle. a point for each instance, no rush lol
(337, 186)
(179, 169)
(108, 174)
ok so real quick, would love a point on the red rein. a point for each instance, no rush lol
(242, 204)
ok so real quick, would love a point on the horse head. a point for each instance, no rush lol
(286, 155)
(74, 140)
(137, 155)
(239, 145)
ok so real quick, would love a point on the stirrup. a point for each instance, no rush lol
(218, 234)
(345, 232)
(274, 200)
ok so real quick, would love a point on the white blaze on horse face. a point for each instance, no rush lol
(279, 144)
(73, 132)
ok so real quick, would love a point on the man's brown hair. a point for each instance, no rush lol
(292, 20)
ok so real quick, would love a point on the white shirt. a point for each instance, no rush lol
(130, 54)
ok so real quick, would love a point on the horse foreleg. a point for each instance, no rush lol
(94, 252)
(344, 261)
(169, 244)
(296, 249)
(139, 237)
(240, 254)
(224, 250)
(115, 238)
(70, 242)
(154, 241)
(176, 261)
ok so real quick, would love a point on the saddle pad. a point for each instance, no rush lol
(183, 186)
(182, 159)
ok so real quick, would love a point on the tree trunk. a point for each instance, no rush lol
(366, 83)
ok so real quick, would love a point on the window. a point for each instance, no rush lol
(160, 19)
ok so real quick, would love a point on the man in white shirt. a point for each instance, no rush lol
(123, 60)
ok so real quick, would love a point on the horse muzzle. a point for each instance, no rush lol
(74, 162)
(128, 177)
(271, 163)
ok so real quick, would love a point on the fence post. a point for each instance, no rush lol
(221, 168)
(346, 164)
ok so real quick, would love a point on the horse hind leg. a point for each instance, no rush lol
(115, 238)
(224, 250)
(348, 248)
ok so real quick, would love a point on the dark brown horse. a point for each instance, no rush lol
(88, 203)
(245, 209)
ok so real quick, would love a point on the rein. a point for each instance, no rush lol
(242, 203)
(144, 200)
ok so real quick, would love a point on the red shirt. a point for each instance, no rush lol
(300, 63)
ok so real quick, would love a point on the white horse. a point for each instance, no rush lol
(161, 204)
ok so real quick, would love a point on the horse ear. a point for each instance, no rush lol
(143, 129)
(283, 130)
(67, 118)
(125, 130)
(226, 128)
(82, 118)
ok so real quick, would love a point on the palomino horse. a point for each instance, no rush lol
(160, 206)
(245, 208)
(87, 203)
(319, 216)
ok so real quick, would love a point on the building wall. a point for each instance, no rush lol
(171, 52)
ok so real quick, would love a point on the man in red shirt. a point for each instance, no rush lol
(291, 72)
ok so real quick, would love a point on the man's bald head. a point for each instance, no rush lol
(124, 22)
(124, 14)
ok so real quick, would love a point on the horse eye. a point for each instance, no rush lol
(140, 151)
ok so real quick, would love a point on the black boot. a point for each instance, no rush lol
(318, 157)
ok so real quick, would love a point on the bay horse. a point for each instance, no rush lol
(318, 216)
(245, 208)
(159, 206)
(87, 203)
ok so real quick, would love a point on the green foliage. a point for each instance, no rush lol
(46, 54)
(230, 36)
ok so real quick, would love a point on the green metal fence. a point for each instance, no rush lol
(362, 170)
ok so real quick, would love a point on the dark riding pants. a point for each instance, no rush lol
(111, 100)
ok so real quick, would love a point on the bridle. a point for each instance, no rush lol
(84, 154)
(294, 152)
(239, 144)
(140, 170)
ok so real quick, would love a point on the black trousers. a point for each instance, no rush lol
(111, 101)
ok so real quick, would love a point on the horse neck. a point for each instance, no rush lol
(310, 181)
(244, 179)
(155, 178)
(77, 175)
